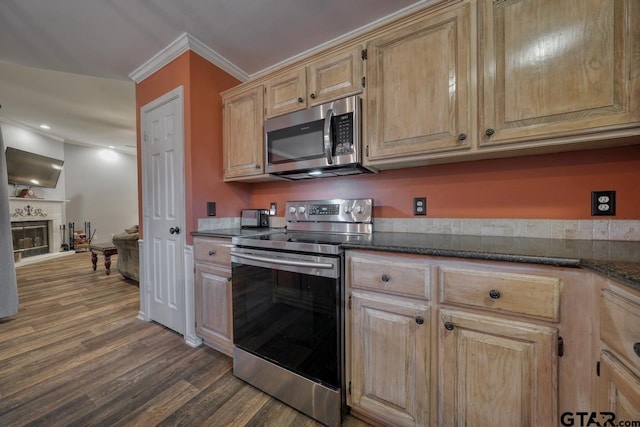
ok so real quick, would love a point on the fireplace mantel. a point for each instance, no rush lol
(27, 209)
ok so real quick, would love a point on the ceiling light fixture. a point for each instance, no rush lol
(112, 147)
(46, 127)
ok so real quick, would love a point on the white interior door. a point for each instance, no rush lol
(163, 209)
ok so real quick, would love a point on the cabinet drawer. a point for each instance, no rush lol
(217, 251)
(522, 294)
(620, 326)
(391, 274)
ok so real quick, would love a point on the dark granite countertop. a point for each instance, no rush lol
(615, 259)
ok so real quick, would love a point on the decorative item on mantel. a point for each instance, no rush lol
(27, 193)
(28, 210)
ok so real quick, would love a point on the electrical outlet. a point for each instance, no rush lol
(273, 209)
(211, 208)
(420, 206)
(603, 203)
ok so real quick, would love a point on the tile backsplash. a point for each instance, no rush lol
(542, 228)
(599, 229)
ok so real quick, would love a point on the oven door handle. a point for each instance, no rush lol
(285, 261)
(327, 136)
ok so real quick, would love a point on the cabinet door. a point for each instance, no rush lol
(619, 389)
(390, 359)
(214, 321)
(496, 372)
(554, 68)
(286, 93)
(335, 77)
(418, 79)
(243, 144)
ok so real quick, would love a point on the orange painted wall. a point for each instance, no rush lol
(202, 84)
(554, 186)
(204, 153)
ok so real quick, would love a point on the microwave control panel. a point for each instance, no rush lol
(343, 134)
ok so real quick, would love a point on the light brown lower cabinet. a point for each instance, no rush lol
(213, 304)
(213, 307)
(434, 341)
(390, 359)
(619, 390)
(496, 372)
(619, 382)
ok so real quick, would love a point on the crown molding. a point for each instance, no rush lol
(178, 47)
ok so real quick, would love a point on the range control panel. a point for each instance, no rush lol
(333, 210)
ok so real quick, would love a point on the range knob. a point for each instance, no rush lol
(359, 209)
(292, 210)
(302, 210)
(347, 210)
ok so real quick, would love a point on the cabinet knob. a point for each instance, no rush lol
(212, 252)
(419, 320)
(300, 99)
(313, 96)
(257, 166)
(636, 348)
(489, 132)
(385, 278)
(448, 326)
(495, 294)
(462, 136)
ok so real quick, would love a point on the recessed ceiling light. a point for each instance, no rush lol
(47, 127)
(112, 147)
(315, 173)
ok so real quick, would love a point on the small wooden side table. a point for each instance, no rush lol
(107, 249)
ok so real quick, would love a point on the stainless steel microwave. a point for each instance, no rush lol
(316, 142)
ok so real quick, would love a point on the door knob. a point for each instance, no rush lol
(174, 230)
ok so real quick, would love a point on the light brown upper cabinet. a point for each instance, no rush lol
(419, 88)
(243, 117)
(332, 77)
(551, 69)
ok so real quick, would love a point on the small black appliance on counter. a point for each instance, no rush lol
(254, 218)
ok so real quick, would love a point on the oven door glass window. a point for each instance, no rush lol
(290, 319)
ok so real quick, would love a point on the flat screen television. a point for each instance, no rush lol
(32, 169)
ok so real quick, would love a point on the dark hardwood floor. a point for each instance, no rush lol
(76, 355)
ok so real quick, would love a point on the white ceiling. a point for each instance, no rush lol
(67, 62)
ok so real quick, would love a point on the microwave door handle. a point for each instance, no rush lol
(327, 136)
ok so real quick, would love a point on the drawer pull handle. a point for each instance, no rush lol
(448, 326)
(385, 278)
(419, 320)
(494, 294)
(636, 348)
(212, 253)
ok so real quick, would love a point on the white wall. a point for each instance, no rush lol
(101, 188)
(30, 141)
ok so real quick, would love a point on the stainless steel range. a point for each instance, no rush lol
(288, 305)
